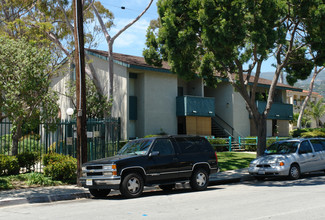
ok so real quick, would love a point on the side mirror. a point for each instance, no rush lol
(154, 153)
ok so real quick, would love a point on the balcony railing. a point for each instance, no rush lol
(195, 106)
(281, 111)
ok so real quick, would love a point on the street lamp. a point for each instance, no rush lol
(70, 112)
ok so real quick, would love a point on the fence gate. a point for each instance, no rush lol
(103, 136)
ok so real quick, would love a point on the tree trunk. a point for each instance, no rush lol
(304, 104)
(15, 139)
(110, 70)
(261, 135)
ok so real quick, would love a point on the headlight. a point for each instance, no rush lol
(111, 168)
(251, 165)
(277, 164)
(107, 167)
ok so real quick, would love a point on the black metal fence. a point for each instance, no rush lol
(103, 137)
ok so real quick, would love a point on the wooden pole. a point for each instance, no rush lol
(80, 87)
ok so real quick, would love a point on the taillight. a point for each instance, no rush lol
(215, 153)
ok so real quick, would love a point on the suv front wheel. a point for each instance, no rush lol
(199, 179)
(99, 193)
(132, 185)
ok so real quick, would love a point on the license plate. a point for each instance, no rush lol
(89, 182)
(261, 172)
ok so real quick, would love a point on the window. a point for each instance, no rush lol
(193, 145)
(305, 148)
(164, 146)
(318, 145)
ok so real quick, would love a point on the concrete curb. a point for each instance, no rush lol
(43, 199)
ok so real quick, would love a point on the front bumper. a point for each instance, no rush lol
(269, 171)
(101, 182)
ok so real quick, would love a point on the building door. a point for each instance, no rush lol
(275, 130)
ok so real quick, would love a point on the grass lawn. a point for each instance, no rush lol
(234, 160)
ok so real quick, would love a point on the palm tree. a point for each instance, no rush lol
(317, 110)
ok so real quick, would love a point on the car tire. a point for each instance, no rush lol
(99, 193)
(259, 178)
(294, 172)
(167, 187)
(199, 180)
(132, 185)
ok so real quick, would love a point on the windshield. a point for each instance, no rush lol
(282, 148)
(136, 147)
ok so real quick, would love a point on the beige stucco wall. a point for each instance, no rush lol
(230, 106)
(159, 103)
(192, 88)
(241, 122)
(58, 83)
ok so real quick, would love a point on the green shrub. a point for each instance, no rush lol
(9, 165)
(219, 144)
(60, 167)
(52, 158)
(151, 135)
(297, 132)
(27, 159)
(40, 179)
(315, 133)
(5, 183)
(249, 143)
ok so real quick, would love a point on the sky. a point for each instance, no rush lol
(132, 41)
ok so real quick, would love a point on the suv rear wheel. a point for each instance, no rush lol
(199, 179)
(132, 185)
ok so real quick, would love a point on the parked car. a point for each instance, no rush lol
(161, 161)
(290, 158)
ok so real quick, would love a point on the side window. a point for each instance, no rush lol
(317, 145)
(164, 146)
(305, 148)
(193, 145)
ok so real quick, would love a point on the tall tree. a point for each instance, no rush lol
(51, 23)
(110, 41)
(24, 85)
(232, 39)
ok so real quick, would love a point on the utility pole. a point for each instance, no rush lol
(80, 86)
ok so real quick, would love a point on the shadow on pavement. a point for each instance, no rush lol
(156, 192)
(311, 179)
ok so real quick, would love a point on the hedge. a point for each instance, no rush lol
(60, 167)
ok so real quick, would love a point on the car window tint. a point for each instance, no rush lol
(193, 145)
(317, 145)
(323, 144)
(305, 148)
(164, 146)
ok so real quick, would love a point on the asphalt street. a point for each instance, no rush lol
(271, 199)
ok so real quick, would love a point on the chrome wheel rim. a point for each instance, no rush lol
(133, 185)
(201, 179)
(294, 172)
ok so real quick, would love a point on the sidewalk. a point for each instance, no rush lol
(70, 192)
